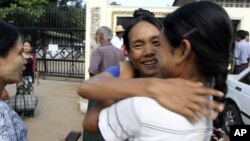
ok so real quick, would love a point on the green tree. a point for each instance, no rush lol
(30, 9)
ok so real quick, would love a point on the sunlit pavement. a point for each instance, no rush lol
(57, 112)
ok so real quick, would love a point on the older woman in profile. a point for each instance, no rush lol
(12, 63)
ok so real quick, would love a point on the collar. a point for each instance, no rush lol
(105, 44)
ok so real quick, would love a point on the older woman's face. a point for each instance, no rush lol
(13, 64)
(143, 43)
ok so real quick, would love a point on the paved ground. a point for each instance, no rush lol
(57, 112)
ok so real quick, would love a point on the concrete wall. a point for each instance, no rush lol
(95, 17)
(241, 14)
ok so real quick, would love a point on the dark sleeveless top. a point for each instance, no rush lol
(29, 68)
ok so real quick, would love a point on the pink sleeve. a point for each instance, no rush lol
(34, 68)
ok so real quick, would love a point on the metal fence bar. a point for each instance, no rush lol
(67, 60)
(74, 69)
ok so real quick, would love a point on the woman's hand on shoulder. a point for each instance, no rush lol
(185, 97)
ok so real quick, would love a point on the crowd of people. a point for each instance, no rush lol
(171, 87)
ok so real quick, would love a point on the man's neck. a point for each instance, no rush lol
(106, 43)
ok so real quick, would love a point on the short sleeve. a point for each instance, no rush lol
(120, 121)
(114, 70)
(95, 61)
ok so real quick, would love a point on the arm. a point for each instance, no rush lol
(104, 87)
(90, 122)
(236, 52)
(5, 94)
(179, 95)
(118, 119)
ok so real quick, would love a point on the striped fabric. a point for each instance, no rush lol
(23, 102)
(143, 119)
(103, 57)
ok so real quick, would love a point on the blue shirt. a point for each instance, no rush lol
(242, 52)
(114, 70)
(12, 127)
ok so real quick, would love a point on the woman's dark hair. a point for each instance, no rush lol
(139, 16)
(208, 28)
(28, 41)
(8, 37)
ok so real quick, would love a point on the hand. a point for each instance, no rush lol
(19, 84)
(185, 97)
(5, 94)
(126, 70)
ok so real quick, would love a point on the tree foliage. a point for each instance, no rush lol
(32, 11)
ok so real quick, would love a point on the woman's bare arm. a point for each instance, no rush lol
(106, 87)
(181, 96)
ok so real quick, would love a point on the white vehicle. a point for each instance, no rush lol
(237, 108)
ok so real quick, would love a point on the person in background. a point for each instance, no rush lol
(117, 40)
(104, 56)
(189, 49)
(12, 64)
(241, 52)
(30, 74)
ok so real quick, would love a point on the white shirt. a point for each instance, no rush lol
(143, 119)
(117, 42)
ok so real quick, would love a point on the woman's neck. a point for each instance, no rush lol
(193, 75)
(26, 54)
(2, 85)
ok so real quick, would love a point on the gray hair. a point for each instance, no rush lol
(105, 32)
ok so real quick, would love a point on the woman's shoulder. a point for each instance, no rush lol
(3, 106)
(12, 123)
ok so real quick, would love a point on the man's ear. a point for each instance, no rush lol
(183, 52)
(100, 39)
